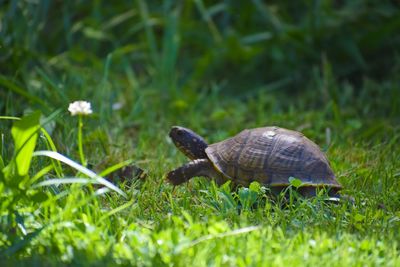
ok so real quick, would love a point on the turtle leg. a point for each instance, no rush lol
(197, 167)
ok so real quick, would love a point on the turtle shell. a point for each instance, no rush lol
(270, 156)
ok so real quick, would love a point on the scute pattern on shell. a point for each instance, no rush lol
(271, 155)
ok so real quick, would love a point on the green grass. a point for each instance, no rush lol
(199, 223)
(194, 65)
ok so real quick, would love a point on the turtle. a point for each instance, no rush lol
(267, 155)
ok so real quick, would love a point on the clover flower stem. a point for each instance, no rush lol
(80, 147)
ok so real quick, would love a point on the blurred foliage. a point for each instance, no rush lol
(239, 45)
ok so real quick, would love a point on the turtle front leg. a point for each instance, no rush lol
(197, 167)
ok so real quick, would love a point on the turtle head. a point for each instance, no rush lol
(188, 142)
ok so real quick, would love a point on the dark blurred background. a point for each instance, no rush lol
(241, 47)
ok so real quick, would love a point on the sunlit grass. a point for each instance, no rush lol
(199, 222)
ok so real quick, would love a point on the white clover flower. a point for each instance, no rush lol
(80, 108)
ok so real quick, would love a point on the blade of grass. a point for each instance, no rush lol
(40, 173)
(115, 167)
(20, 244)
(52, 84)
(51, 145)
(9, 118)
(170, 46)
(80, 168)
(116, 210)
(151, 39)
(235, 232)
(18, 90)
(210, 23)
(271, 18)
(72, 180)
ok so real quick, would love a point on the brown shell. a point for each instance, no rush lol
(270, 156)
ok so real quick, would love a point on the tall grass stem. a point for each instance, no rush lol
(80, 145)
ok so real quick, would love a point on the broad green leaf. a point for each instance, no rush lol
(255, 186)
(359, 217)
(295, 182)
(247, 197)
(25, 133)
